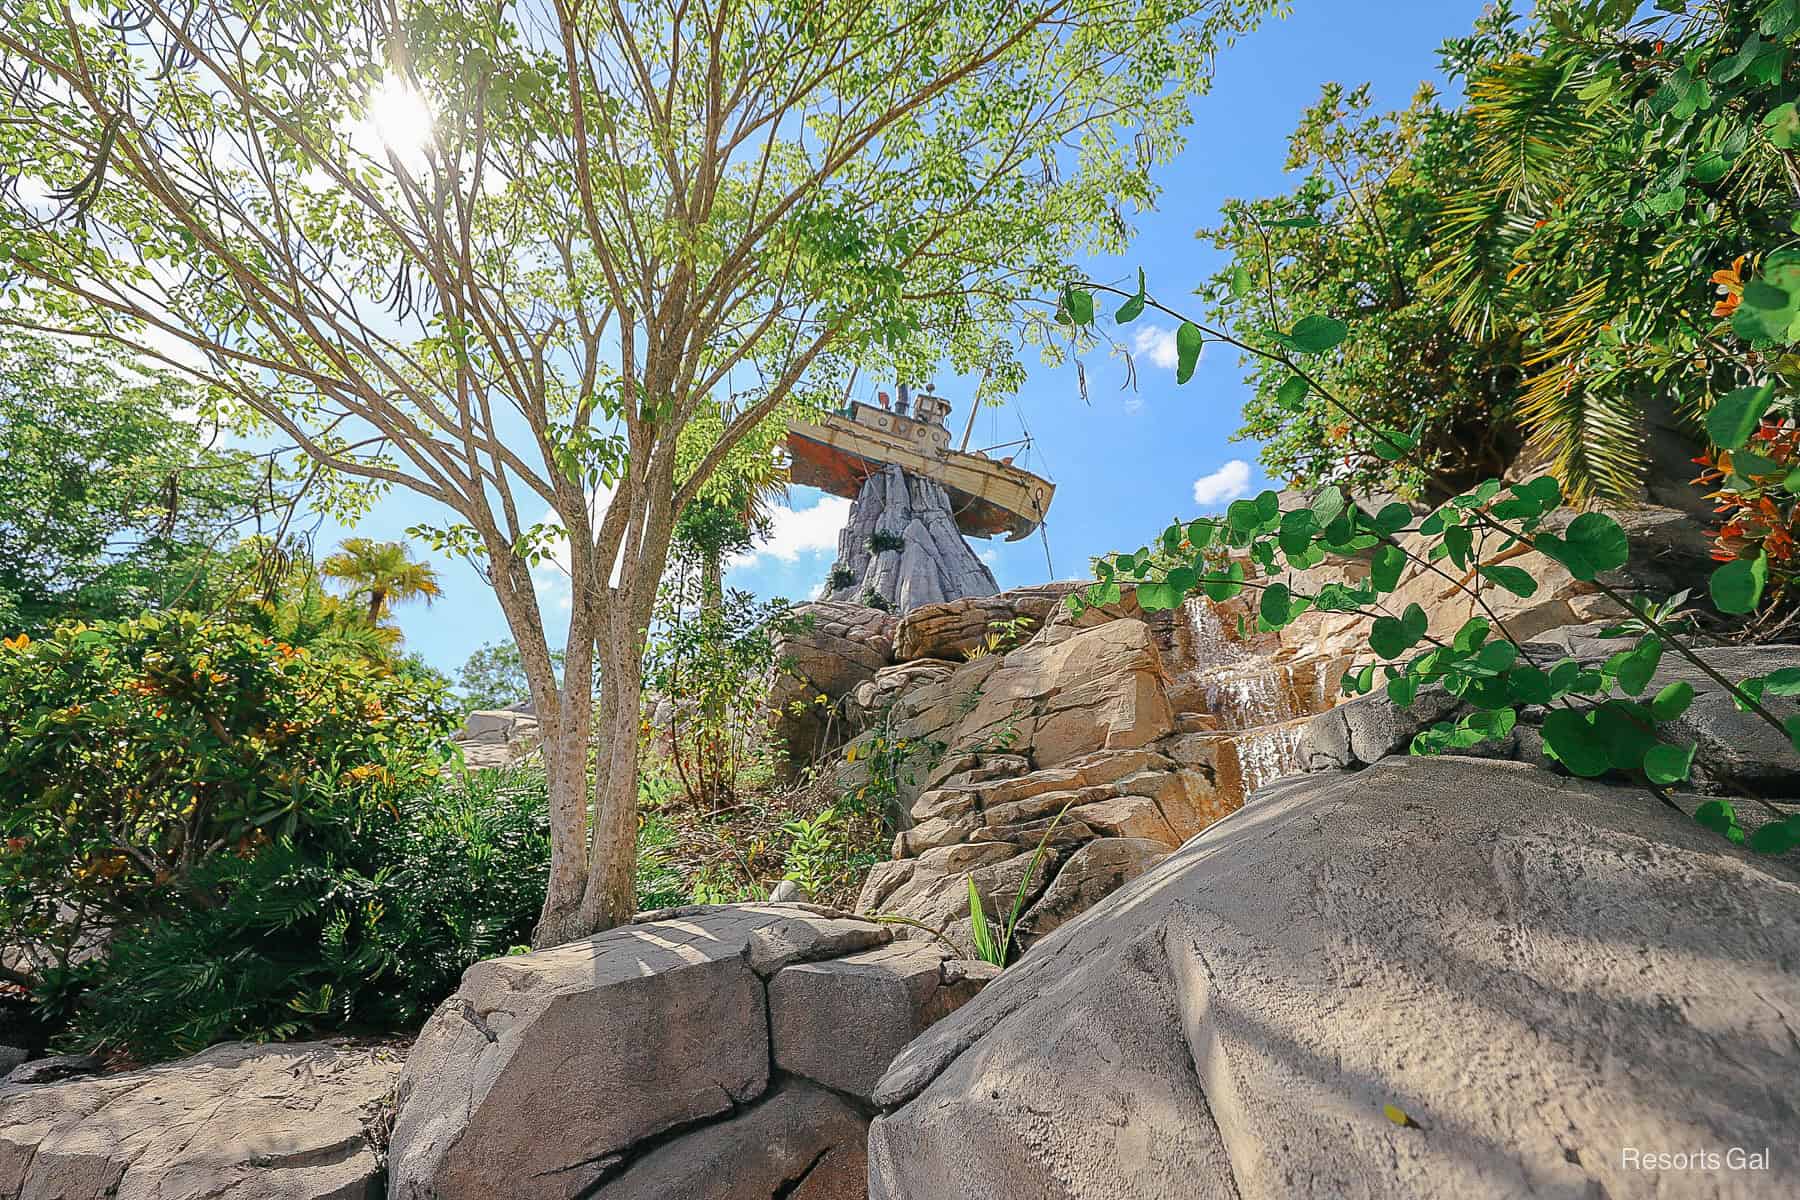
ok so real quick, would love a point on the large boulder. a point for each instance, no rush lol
(295, 1122)
(831, 648)
(494, 737)
(1670, 552)
(1432, 978)
(641, 1063)
(1734, 750)
(953, 628)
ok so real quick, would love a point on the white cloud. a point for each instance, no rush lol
(1157, 344)
(801, 531)
(1227, 483)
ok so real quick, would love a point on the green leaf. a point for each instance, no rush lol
(1317, 334)
(1393, 517)
(1078, 306)
(1516, 580)
(1718, 816)
(1594, 543)
(1414, 621)
(1329, 504)
(1297, 530)
(1188, 341)
(1571, 739)
(1634, 668)
(1737, 414)
(1391, 445)
(1528, 685)
(1777, 837)
(1388, 563)
(1159, 596)
(978, 929)
(1625, 729)
(1665, 764)
(1228, 586)
(1133, 308)
(1473, 633)
(1403, 689)
(1783, 126)
(1785, 682)
(1737, 587)
(1276, 608)
(1672, 701)
(1293, 393)
(1388, 638)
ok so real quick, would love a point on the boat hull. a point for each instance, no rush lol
(988, 498)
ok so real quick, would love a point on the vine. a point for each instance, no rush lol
(1598, 719)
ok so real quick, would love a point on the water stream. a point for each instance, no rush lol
(1258, 704)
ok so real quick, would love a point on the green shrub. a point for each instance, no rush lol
(708, 666)
(840, 578)
(261, 832)
(364, 925)
(882, 541)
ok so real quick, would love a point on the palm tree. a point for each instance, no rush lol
(383, 572)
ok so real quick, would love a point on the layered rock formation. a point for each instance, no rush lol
(1429, 978)
(296, 1122)
(1090, 732)
(901, 545)
(712, 1053)
(833, 647)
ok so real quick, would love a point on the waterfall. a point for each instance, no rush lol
(1255, 701)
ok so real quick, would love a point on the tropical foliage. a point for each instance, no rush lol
(113, 498)
(707, 667)
(508, 258)
(381, 575)
(135, 754)
(1559, 257)
(1708, 108)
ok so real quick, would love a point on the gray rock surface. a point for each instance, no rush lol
(293, 1122)
(933, 562)
(494, 737)
(888, 996)
(641, 1059)
(1538, 973)
(10, 1057)
(1734, 750)
(52, 1069)
(798, 1143)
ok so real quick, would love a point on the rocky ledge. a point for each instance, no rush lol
(709, 1053)
(296, 1122)
(1437, 977)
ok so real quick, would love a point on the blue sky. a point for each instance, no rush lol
(1129, 461)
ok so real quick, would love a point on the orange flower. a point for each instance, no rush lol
(16, 643)
(1730, 283)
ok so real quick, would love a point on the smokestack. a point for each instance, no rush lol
(905, 401)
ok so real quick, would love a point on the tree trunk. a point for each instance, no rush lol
(611, 893)
(712, 582)
(566, 777)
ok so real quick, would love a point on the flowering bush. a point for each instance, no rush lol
(255, 832)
